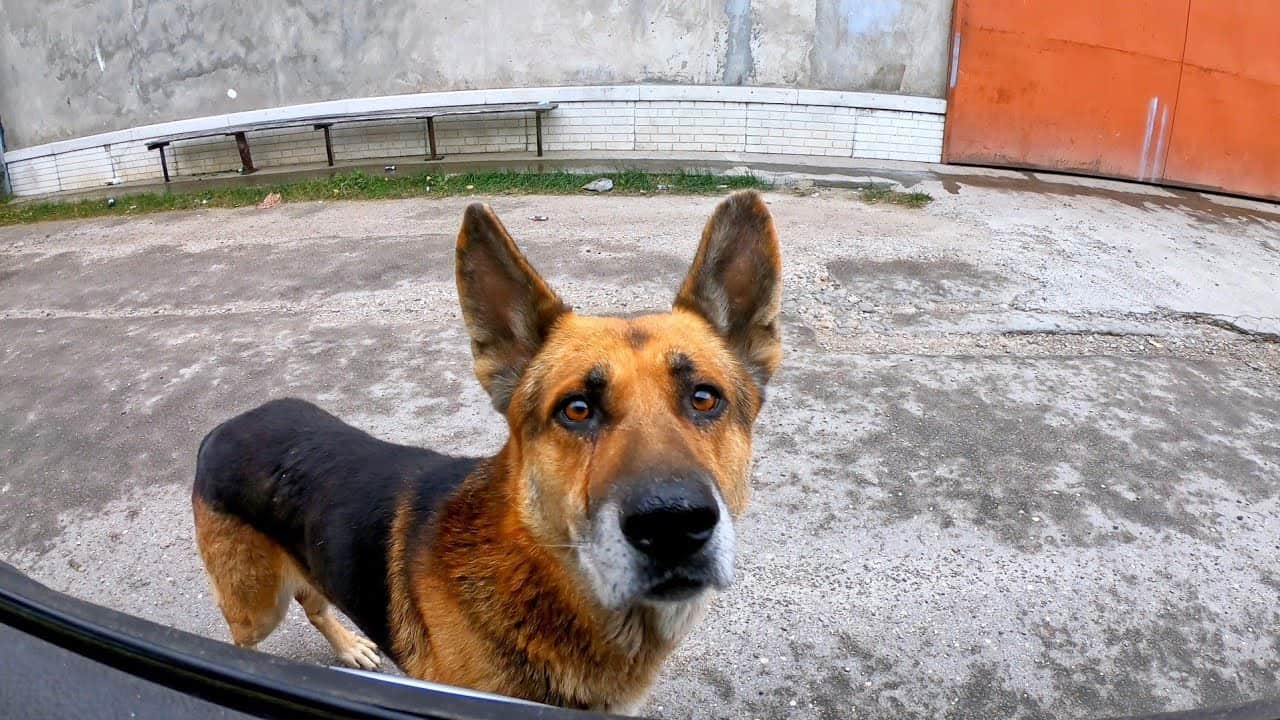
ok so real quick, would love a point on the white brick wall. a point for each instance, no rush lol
(288, 146)
(81, 169)
(133, 162)
(690, 126)
(800, 130)
(639, 119)
(38, 176)
(590, 126)
(502, 133)
(202, 156)
(362, 141)
(893, 135)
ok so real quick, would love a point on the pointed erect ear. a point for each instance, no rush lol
(509, 310)
(736, 282)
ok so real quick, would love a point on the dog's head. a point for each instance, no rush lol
(630, 438)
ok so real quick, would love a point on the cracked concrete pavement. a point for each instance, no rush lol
(1022, 459)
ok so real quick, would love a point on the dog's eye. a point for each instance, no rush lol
(705, 399)
(576, 411)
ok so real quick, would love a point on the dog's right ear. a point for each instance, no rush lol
(509, 310)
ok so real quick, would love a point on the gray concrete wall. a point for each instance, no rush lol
(70, 68)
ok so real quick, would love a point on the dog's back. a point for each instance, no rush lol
(323, 492)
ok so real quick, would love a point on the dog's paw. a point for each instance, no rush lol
(361, 654)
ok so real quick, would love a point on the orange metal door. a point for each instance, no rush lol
(1084, 86)
(1178, 91)
(1226, 130)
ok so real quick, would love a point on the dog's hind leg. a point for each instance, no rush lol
(353, 650)
(249, 573)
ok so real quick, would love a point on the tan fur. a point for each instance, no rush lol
(409, 640)
(253, 579)
(500, 582)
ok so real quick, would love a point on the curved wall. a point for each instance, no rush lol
(71, 68)
(616, 121)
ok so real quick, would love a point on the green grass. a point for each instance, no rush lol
(360, 186)
(884, 194)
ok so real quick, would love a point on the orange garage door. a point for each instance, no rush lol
(1184, 92)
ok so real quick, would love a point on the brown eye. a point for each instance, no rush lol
(576, 411)
(704, 399)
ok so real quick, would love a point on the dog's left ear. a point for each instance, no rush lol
(508, 308)
(736, 282)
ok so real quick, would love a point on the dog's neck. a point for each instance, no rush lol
(527, 605)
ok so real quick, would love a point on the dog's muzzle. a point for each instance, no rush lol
(663, 540)
(670, 524)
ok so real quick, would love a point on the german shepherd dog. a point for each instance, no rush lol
(565, 568)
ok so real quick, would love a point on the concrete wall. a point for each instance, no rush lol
(70, 68)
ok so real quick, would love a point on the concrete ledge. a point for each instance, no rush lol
(601, 93)
(780, 170)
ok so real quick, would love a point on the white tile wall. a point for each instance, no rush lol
(360, 141)
(133, 162)
(630, 124)
(800, 130)
(590, 126)
(84, 169)
(38, 176)
(691, 126)
(892, 135)
(502, 133)
(202, 156)
(288, 146)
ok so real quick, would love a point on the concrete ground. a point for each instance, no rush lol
(1023, 458)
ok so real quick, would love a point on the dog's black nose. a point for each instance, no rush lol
(671, 519)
